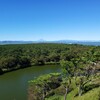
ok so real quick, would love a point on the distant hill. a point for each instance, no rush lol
(95, 43)
(15, 42)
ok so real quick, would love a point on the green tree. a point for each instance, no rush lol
(67, 72)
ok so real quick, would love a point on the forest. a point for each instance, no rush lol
(14, 57)
(80, 69)
(79, 78)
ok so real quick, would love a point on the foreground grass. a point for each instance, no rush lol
(92, 94)
(91, 89)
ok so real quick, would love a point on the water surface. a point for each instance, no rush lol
(14, 85)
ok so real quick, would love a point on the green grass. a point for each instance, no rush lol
(55, 97)
(91, 94)
(94, 94)
(91, 89)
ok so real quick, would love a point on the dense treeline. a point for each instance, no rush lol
(80, 74)
(20, 56)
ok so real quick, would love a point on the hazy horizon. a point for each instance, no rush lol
(50, 20)
(51, 40)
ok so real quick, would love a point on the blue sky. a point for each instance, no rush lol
(49, 19)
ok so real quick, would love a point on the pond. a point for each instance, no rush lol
(14, 85)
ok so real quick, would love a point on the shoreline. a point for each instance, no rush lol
(14, 69)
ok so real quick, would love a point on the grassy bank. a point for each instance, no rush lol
(91, 89)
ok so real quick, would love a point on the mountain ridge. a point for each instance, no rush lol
(83, 42)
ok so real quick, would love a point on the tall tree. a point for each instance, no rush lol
(67, 73)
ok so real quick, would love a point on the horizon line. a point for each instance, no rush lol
(49, 40)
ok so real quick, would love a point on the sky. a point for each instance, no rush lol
(32, 20)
